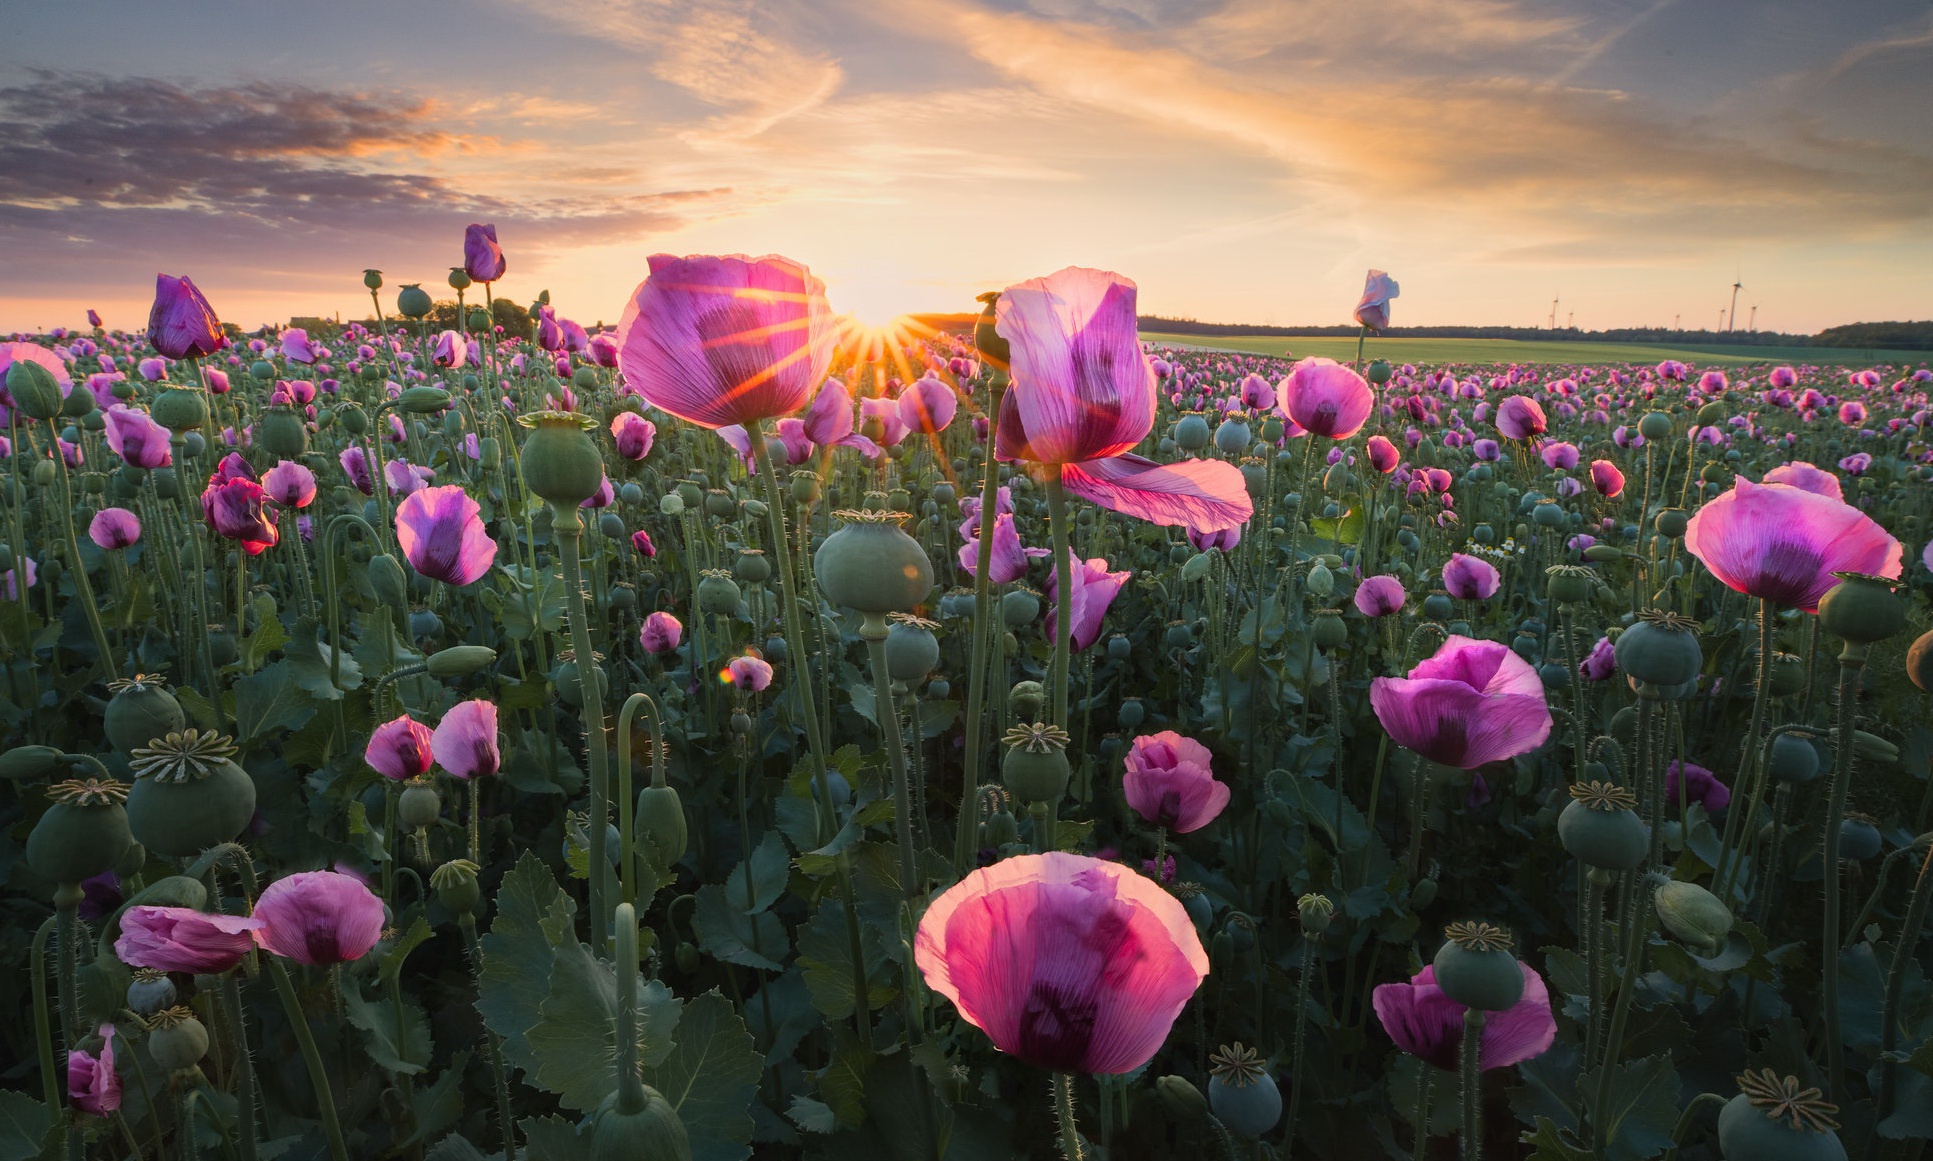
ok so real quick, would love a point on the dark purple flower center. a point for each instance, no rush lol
(1056, 1026)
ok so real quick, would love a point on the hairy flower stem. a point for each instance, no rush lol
(1425, 1075)
(1070, 1134)
(567, 530)
(1614, 1041)
(630, 1086)
(305, 1040)
(1063, 594)
(50, 1081)
(1301, 1024)
(1753, 762)
(1851, 665)
(1909, 938)
(1469, 1068)
(83, 585)
(1592, 929)
(245, 1098)
(967, 826)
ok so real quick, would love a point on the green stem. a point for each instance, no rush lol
(1471, 1074)
(1301, 1024)
(1070, 1133)
(873, 631)
(305, 1039)
(1426, 1075)
(1063, 593)
(245, 1098)
(1850, 668)
(630, 1086)
(1614, 1042)
(1593, 932)
(1755, 761)
(1909, 938)
(505, 1124)
(50, 1081)
(67, 898)
(567, 530)
(83, 586)
(966, 827)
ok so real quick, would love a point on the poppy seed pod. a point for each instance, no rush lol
(188, 793)
(34, 389)
(413, 302)
(180, 409)
(1861, 610)
(84, 833)
(1475, 967)
(282, 433)
(912, 651)
(140, 710)
(561, 463)
(1035, 768)
(872, 565)
(718, 594)
(456, 887)
(1660, 649)
(1244, 1096)
(176, 1040)
(1655, 425)
(1774, 1119)
(1191, 433)
(1600, 829)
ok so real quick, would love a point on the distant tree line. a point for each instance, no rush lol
(1188, 326)
(1905, 336)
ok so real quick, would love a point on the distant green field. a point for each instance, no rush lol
(1516, 351)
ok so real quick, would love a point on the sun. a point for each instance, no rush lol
(883, 349)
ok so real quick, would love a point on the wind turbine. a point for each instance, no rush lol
(1731, 316)
(1553, 312)
(1751, 320)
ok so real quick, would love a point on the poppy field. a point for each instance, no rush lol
(740, 732)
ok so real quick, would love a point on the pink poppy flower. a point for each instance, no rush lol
(483, 259)
(1470, 578)
(441, 531)
(1559, 456)
(1372, 310)
(602, 349)
(290, 483)
(1600, 663)
(1257, 394)
(1472, 703)
(1379, 596)
(1066, 962)
(181, 939)
(114, 528)
(1083, 394)
(1607, 479)
(601, 498)
(1326, 398)
(1094, 590)
(880, 421)
(1169, 782)
(451, 350)
(137, 438)
(181, 324)
(633, 434)
(1520, 417)
(1009, 560)
(748, 672)
(928, 405)
(641, 543)
(92, 1084)
(726, 340)
(1701, 786)
(1223, 540)
(828, 423)
(1383, 455)
(1783, 543)
(232, 505)
(1429, 1025)
(399, 749)
(1856, 464)
(319, 917)
(465, 742)
(355, 465)
(661, 633)
(1782, 377)
(297, 348)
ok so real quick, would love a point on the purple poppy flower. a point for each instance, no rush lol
(355, 465)
(181, 324)
(319, 917)
(928, 405)
(483, 259)
(1701, 786)
(1094, 589)
(641, 543)
(181, 939)
(1600, 663)
(1326, 398)
(633, 434)
(137, 438)
(92, 1084)
(1473, 702)
(452, 350)
(1783, 543)
(748, 672)
(1379, 596)
(441, 531)
(297, 348)
(660, 633)
(114, 528)
(1429, 1025)
(1009, 557)
(1520, 417)
(399, 749)
(1470, 578)
(465, 741)
(405, 478)
(1372, 310)
(1559, 456)
(1223, 539)
(1169, 782)
(290, 483)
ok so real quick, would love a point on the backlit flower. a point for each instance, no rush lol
(114, 528)
(440, 531)
(483, 259)
(1520, 417)
(1783, 543)
(1372, 310)
(1470, 578)
(137, 438)
(1169, 782)
(319, 917)
(92, 1084)
(182, 325)
(181, 939)
(1093, 591)
(1429, 1025)
(660, 633)
(465, 742)
(1326, 398)
(399, 749)
(1379, 596)
(1473, 702)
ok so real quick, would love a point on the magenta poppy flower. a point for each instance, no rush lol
(633, 434)
(483, 259)
(661, 633)
(152, 370)
(181, 939)
(1486, 450)
(1520, 417)
(1009, 558)
(1169, 782)
(319, 917)
(1470, 578)
(1856, 464)
(828, 423)
(33, 575)
(1607, 479)
(114, 528)
(399, 749)
(465, 741)
(641, 543)
(1601, 662)
(1083, 394)
(1257, 394)
(1783, 377)
(1472, 703)
(601, 498)
(1379, 596)
(879, 421)
(927, 405)
(748, 672)
(1701, 786)
(1372, 310)
(797, 446)
(181, 324)
(1783, 543)
(1326, 398)
(94, 318)
(550, 336)
(1806, 477)
(92, 1084)
(290, 484)
(451, 350)
(1224, 539)
(1383, 455)
(1852, 413)
(233, 508)
(1559, 456)
(297, 348)
(137, 438)
(1429, 1025)
(726, 340)
(602, 349)
(441, 531)
(217, 381)
(355, 465)
(1066, 962)
(1094, 590)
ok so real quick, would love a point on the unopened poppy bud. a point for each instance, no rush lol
(373, 279)
(424, 400)
(25, 763)
(386, 578)
(1025, 700)
(34, 389)
(1693, 914)
(671, 504)
(1183, 1099)
(458, 660)
(418, 807)
(1321, 582)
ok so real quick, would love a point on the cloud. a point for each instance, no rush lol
(108, 177)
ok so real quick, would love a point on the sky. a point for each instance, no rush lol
(1241, 160)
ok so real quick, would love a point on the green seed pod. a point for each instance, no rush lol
(653, 1134)
(28, 763)
(188, 795)
(1035, 768)
(180, 409)
(752, 566)
(1862, 610)
(418, 807)
(1600, 829)
(872, 565)
(1774, 1119)
(1330, 632)
(176, 1040)
(35, 391)
(1191, 433)
(570, 687)
(1660, 649)
(661, 826)
(1316, 912)
(719, 504)
(561, 462)
(352, 418)
(386, 579)
(458, 660)
(1233, 436)
(455, 884)
(1321, 582)
(1378, 372)
(84, 833)
(718, 594)
(1694, 915)
(282, 433)
(690, 493)
(412, 301)
(1793, 759)
(912, 651)
(140, 711)
(1655, 425)
(1570, 584)
(1475, 968)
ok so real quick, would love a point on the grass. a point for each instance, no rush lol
(1433, 351)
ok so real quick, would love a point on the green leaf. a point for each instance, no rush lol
(404, 1051)
(440, 1104)
(825, 959)
(575, 1038)
(309, 663)
(1642, 1108)
(1912, 1116)
(455, 1147)
(1551, 1144)
(553, 1139)
(843, 1081)
(200, 711)
(26, 1128)
(726, 932)
(770, 868)
(268, 635)
(517, 954)
(812, 1116)
(410, 940)
(269, 701)
(710, 1078)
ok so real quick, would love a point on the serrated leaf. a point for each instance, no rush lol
(710, 1078)
(269, 701)
(403, 1050)
(825, 960)
(553, 1139)
(1641, 1109)
(455, 1147)
(726, 932)
(517, 954)
(843, 1080)
(812, 1116)
(575, 1037)
(1912, 1116)
(309, 661)
(392, 961)
(1551, 1145)
(26, 1128)
(440, 1104)
(769, 867)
